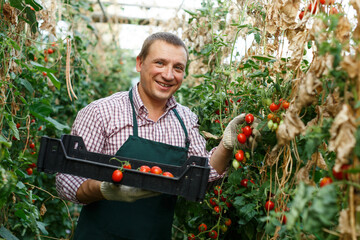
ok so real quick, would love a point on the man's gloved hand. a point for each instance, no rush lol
(123, 193)
(230, 134)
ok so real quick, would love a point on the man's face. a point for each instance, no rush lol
(161, 72)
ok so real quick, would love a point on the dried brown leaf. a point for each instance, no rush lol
(342, 135)
(343, 29)
(351, 66)
(42, 210)
(356, 6)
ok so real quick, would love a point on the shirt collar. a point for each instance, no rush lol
(140, 107)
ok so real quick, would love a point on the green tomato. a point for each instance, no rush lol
(235, 164)
(268, 101)
(275, 126)
(270, 124)
(247, 155)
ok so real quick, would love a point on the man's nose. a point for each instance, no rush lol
(168, 73)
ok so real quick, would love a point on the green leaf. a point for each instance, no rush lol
(21, 214)
(35, 4)
(20, 185)
(30, 14)
(17, 4)
(14, 44)
(6, 234)
(42, 228)
(40, 109)
(14, 129)
(54, 80)
(57, 125)
(42, 68)
(4, 142)
(27, 85)
(263, 58)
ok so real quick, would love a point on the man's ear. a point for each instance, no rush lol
(138, 64)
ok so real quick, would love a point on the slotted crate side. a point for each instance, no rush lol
(69, 155)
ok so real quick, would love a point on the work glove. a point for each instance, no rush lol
(231, 131)
(124, 193)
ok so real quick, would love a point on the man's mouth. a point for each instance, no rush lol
(164, 85)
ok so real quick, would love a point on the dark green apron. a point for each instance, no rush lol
(149, 218)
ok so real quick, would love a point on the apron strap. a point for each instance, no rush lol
(135, 125)
(187, 141)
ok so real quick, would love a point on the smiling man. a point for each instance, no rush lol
(144, 123)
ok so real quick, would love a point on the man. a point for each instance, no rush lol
(145, 123)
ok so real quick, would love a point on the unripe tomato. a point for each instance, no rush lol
(249, 118)
(29, 171)
(144, 168)
(223, 228)
(273, 107)
(117, 176)
(202, 227)
(235, 164)
(156, 170)
(270, 124)
(269, 205)
(239, 155)
(275, 126)
(241, 138)
(270, 116)
(247, 131)
(325, 181)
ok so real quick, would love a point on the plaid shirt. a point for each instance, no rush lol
(106, 124)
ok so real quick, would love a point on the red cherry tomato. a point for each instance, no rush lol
(325, 181)
(156, 170)
(228, 222)
(213, 234)
(313, 8)
(341, 175)
(32, 145)
(44, 74)
(144, 168)
(213, 201)
(239, 155)
(285, 104)
(50, 50)
(29, 171)
(244, 182)
(39, 129)
(33, 165)
(269, 205)
(202, 227)
(249, 118)
(217, 209)
(32, 121)
(18, 125)
(168, 174)
(273, 107)
(301, 15)
(117, 176)
(241, 138)
(217, 190)
(127, 166)
(247, 131)
(191, 236)
(333, 10)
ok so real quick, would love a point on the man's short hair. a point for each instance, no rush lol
(164, 36)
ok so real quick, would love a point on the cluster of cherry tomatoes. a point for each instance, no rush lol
(30, 169)
(118, 175)
(338, 175)
(312, 7)
(273, 118)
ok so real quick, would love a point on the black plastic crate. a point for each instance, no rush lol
(69, 155)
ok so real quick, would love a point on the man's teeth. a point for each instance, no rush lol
(164, 85)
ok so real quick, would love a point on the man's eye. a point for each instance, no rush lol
(179, 68)
(159, 63)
